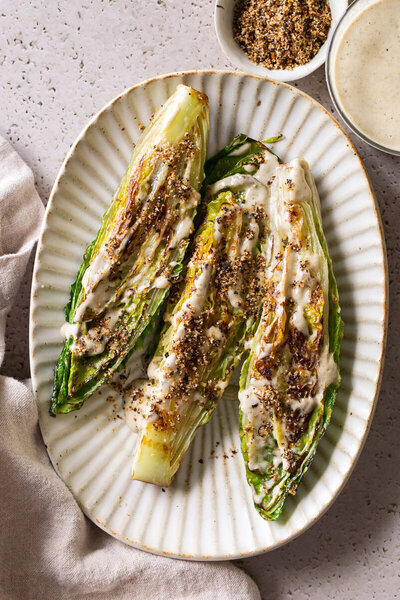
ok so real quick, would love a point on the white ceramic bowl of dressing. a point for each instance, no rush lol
(223, 18)
(363, 72)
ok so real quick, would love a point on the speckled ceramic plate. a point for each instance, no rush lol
(207, 513)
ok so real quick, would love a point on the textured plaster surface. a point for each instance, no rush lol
(60, 62)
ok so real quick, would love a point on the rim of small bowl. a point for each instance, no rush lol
(336, 35)
(239, 58)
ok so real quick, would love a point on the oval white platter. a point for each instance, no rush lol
(207, 513)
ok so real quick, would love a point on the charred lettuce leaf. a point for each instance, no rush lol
(290, 379)
(127, 270)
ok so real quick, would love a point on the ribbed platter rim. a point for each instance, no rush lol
(37, 267)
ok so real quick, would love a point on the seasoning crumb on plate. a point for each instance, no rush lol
(281, 34)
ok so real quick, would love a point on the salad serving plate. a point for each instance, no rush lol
(207, 513)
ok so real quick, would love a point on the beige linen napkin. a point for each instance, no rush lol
(48, 549)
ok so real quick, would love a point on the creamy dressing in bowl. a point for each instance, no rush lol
(363, 71)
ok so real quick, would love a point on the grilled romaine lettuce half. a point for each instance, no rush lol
(213, 312)
(127, 271)
(290, 379)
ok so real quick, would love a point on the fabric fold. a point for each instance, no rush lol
(48, 548)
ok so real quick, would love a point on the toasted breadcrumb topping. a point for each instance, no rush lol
(281, 34)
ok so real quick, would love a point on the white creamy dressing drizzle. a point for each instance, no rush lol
(95, 339)
(183, 229)
(153, 370)
(170, 361)
(214, 333)
(366, 71)
(266, 170)
(195, 302)
(139, 410)
(218, 231)
(298, 283)
(100, 267)
(248, 343)
(249, 243)
(295, 282)
(162, 283)
(68, 330)
(234, 298)
(264, 348)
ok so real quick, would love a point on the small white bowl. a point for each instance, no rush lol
(223, 28)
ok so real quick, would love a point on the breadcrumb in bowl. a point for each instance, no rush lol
(294, 44)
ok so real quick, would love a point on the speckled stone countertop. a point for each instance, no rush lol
(60, 62)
